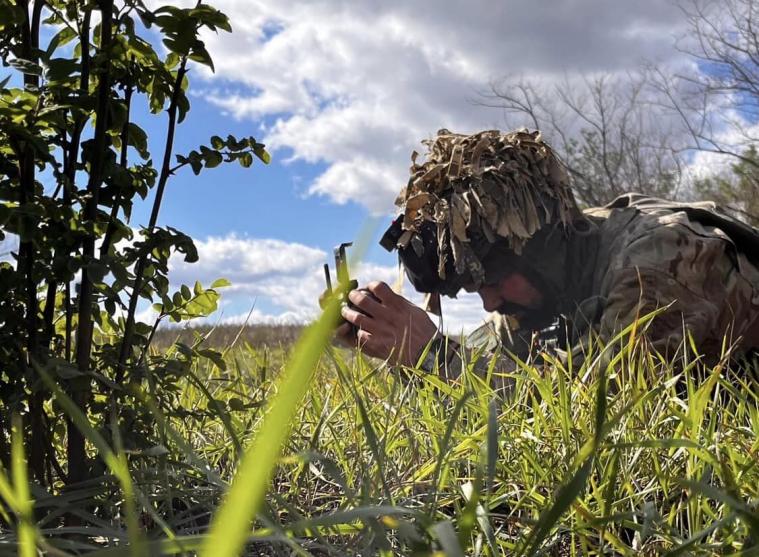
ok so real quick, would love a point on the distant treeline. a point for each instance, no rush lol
(222, 336)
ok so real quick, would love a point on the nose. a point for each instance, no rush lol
(490, 299)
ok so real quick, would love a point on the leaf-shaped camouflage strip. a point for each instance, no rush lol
(490, 184)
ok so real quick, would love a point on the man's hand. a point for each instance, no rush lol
(388, 325)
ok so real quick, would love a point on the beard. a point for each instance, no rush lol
(531, 318)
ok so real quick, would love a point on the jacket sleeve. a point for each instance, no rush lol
(449, 357)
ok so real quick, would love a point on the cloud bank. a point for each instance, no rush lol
(356, 85)
(288, 278)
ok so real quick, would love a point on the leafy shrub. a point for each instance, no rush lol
(72, 165)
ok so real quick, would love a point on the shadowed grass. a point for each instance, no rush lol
(628, 453)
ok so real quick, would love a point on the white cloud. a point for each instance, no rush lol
(246, 260)
(356, 85)
(288, 278)
(280, 273)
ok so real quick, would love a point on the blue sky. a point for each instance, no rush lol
(263, 202)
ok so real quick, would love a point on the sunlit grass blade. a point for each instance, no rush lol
(232, 523)
(27, 533)
(572, 489)
(8, 494)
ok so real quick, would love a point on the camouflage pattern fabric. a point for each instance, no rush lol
(657, 256)
(651, 254)
(479, 188)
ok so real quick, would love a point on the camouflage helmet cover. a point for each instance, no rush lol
(477, 189)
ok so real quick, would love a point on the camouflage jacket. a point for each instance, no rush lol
(641, 254)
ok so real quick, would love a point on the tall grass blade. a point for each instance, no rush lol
(572, 489)
(27, 533)
(492, 446)
(231, 525)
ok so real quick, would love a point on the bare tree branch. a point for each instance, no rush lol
(602, 130)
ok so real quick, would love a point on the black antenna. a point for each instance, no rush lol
(341, 263)
(328, 278)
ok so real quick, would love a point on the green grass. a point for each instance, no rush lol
(340, 455)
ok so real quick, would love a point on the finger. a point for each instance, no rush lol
(370, 345)
(363, 339)
(366, 302)
(382, 291)
(345, 335)
(360, 320)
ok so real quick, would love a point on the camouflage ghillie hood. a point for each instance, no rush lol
(477, 190)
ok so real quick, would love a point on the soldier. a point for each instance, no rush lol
(493, 213)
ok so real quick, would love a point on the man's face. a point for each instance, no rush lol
(513, 294)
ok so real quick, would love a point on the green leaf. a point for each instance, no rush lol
(221, 283)
(200, 54)
(172, 60)
(26, 67)
(184, 350)
(139, 140)
(180, 45)
(96, 271)
(215, 357)
(246, 159)
(210, 17)
(213, 159)
(262, 154)
(196, 166)
(183, 107)
(58, 69)
(64, 36)
(216, 142)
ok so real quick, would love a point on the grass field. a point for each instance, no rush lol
(625, 455)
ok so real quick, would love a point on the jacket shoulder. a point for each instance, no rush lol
(702, 214)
